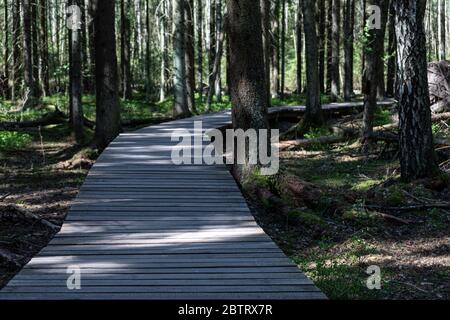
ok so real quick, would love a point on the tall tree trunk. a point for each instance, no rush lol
(392, 63)
(218, 57)
(349, 48)
(283, 49)
(211, 40)
(265, 19)
(179, 64)
(6, 49)
(313, 115)
(148, 54)
(76, 79)
(275, 87)
(106, 76)
(381, 91)
(299, 47)
(16, 49)
(248, 90)
(163, 49)
(190, 55)
(335, 48)
(442, 29)
(417, 158)
(125, 49)
(322, 42)
(219, 42)
(35, 46)
(329, 41)
(44, 73)
(373, 60)
(199, 23)
(91, 34)
(28, 53)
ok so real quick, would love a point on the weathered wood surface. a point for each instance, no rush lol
(144, 228)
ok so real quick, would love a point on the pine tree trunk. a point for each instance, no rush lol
(381, 91)
(91, 32)
(6, 50)
(329, 45)
(28, 53)
(283, 49)
(125, 49)
(349, 22)
(35, 46)
(335, 49)
(106, 76)
(163, 49)
(313, 114)
(299, 47)
(179, 64)
(199, 23)
(442, 29)
(416, 138)
(219, 50)
(190, 56)
(392, 63)
(16, 49)
(44, 73)
(265, 20)
(322, 42)
(248, 90)
(275, 86)
(76, 80)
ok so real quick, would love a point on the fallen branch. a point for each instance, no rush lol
(28, 215)
(392, 218)
(3, 198)
(56, 117)
(411, 208)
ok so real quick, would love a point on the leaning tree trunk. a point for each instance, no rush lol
(313, 114)
(106, 77)
(248, 90)
(417, 158)
(180, 108)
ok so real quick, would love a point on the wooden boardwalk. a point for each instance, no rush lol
(144, 228)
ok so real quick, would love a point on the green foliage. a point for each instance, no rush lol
(382, 117)
(359, 216)
(12, 140)
(317, 133)
(306, 218)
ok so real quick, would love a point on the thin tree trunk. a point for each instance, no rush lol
(199, 25)
(6, 50)
(329, 45)
(349, 48)
(108, 106)
(322, 42)
(180, 108)
(125, 49)
(16, 49)
(442, 29)
(335, 48)
(163, 49)
(35, 46)
(219, 51)
(76, 80)
(215, 73)
(283, 49)
(417, 158)
(299, 47)
(190, 56)
(265, 20)
(28, 53)
(392, 63)
(44, 73)
(148, 54)
(275, 87)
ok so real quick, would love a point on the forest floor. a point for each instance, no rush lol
(332, 233)
(333, 240)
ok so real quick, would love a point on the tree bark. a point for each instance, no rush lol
(125, 49)
(43, 70)
(179, 63)
(190, 56)
(16, 49)
(199, 23)
(265, 17)
(392, 64)
(6, 49)
(417, 158)
(322, 43)
(349, 24)
(248, 90)
(442, 29)
(28, 53)
(299, 47)
(107, 100)
(76, 80)
(283, 49)
(335, 48)
(313, 114)
(275, 86)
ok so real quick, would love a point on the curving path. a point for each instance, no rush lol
(143, 228)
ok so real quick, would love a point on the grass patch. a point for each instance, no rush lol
(12, 140)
